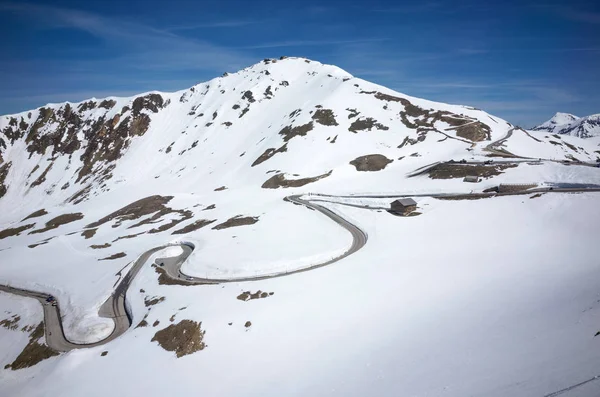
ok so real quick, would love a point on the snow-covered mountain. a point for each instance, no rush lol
(87, 188)
(568, 124)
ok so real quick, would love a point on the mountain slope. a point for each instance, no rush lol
(568, 124)
(86, 188)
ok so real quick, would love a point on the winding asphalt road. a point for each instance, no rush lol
(115, 306)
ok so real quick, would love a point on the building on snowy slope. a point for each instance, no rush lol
(403, 206)
(471, 178)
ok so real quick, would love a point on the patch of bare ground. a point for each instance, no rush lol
(114, 256)
(450, 171)
(150, 205)
(248, 324)
(368, 123)
(220, 189)
(128, 237)
(238, 220)
(15, 231)
(279, 180)
(104, 353)
(475, 132)
(536, 196)
(135, 210)
(290, 132)
(143, 323)
(247, 295)
(200, 223)
(210, 207)
(11, 323)
(89, 233)
(155, 300)
(270, 152)
(4, 168)
(36, 214)
(107, 104)
(60, 220)
(426, 118)
(183, 338)
(100, 246)
(325, 117)
(573, 148)
(174, 222)
(43, 242)
(34, 352)
(353, 113)
(42, 178)
(371, 162)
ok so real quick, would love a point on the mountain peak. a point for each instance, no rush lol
(569, 124)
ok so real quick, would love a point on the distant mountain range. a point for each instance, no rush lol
(569, 124)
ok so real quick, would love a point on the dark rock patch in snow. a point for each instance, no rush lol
(3, 173)
(475, 132)
(107, 104)
(371, 162)
(238, 220)
(59, 221)
(43, 242)
(183, 338)
(36, 214)
(325, 117)
(290, 132)
(89, 233)
(42, 178)
(150, 205)
(367, 123)
(114, 256)
(99, 246)
(247, 295)
(155, 300)
(279, 180)
(11, 323)
(34, 352)
(15, 231)
(270, 152)
(200, 223)
(450, 171)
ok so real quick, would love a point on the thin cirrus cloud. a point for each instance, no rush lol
(310, 43)
(217, 24)
(147, 47)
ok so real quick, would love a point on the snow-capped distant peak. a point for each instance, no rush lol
(569, 124)
(558, 119)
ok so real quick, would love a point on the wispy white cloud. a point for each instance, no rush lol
(310, 43)
(147, 47)
(217, 24)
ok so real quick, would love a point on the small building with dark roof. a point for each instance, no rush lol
(403, 205)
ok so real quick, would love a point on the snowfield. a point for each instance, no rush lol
(490, 297)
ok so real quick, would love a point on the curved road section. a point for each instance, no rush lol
(115, 306)
(359, 239)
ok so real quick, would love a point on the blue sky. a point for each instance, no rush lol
(521, 61)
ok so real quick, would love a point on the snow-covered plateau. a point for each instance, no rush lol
(485, 288)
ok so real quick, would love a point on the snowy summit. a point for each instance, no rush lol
(289, 229)
(568, 124)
